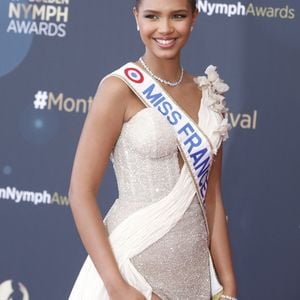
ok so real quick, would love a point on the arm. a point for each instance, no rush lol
(219, 238)
(100, 132)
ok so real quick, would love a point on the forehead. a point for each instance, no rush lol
(159, 5)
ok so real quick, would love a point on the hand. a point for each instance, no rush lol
(230, 288)
(127, 292)
(229, 292)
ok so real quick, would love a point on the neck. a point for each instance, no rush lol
(168, 69)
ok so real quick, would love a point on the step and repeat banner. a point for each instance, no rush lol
(53, 55)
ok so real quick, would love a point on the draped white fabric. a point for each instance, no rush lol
(128, 240)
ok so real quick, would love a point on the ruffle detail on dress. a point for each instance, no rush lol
(223, 129)
(213, 87)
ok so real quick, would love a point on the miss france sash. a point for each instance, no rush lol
(194, 146)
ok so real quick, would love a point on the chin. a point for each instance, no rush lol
(166, 54)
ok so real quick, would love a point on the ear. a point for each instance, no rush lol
(135, 13)
(195, 16)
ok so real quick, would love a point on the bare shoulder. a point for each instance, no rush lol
(116, 92)
(113, 84)
(113, 91)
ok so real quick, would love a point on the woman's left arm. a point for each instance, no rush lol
(219, 237)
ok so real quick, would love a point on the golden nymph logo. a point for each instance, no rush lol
(48, 18)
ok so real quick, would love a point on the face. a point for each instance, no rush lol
(165, 26)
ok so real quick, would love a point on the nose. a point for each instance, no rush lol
(165, 26)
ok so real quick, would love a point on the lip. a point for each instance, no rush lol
(165, 43)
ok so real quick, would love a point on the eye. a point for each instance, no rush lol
(179, 16)
(151, 17)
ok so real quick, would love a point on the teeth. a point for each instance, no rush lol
(165, 42)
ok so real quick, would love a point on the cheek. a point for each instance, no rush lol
(184, 27)
(146, 31)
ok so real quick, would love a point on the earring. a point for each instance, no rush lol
(137, 27)
(192, 27)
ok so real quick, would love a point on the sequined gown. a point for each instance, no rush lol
(145, 160)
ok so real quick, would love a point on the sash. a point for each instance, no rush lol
(193, 144)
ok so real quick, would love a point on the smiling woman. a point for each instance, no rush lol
(164, 137)
(165, 31)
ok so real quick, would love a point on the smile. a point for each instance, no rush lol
(165, 42)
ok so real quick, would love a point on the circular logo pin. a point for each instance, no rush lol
(134, 75)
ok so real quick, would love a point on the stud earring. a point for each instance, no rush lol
(137, 27)
(192, 27)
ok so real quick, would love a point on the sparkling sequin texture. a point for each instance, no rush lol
(145, 160)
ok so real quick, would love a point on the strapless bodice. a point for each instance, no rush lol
(145, 157)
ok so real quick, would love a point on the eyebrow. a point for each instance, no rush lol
(151, 11)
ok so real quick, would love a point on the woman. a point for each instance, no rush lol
(153, 243)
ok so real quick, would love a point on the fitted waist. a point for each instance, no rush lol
(121, 209)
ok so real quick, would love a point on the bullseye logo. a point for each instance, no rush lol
(134, 75)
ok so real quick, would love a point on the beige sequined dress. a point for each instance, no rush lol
(145, 160)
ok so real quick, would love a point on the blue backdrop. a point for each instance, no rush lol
(52, 57)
